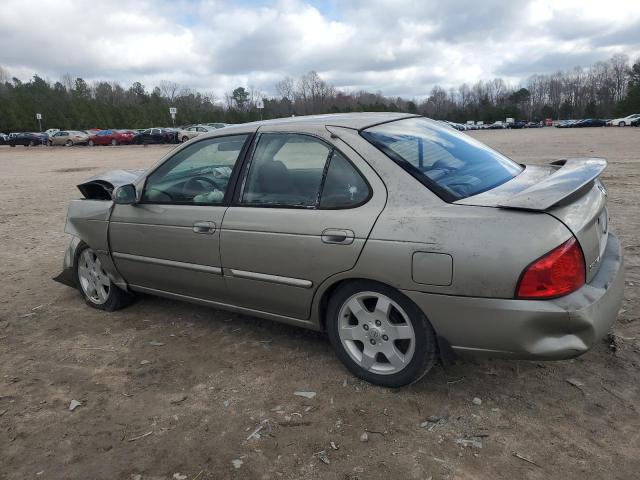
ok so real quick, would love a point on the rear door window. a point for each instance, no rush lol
(286, 170)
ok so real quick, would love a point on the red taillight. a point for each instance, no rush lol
(559, 272)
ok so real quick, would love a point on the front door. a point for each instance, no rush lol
(303, 214)
(169, 242)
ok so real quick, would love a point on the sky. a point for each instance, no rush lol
(398, 47)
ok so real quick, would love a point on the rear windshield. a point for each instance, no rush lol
(451, 163)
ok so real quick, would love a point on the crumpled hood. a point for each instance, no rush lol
(102, 186)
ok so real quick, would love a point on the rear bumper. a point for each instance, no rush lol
(531, 329)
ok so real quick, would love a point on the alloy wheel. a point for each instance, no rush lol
(376, 333)
(93, 279)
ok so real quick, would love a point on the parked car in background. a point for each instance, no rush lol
(28, 139)
(404, 240)
(534, 125)
(624, 121)
(52, 131)
(517, 124)
(636, 123)
(566, 123)
(497, 125)
(590, 122)
(188, 133)
(69, 138)
(216, 125)
(110, 137)
(156, 135)
(4, 139)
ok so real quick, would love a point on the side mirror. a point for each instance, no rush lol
(125, 195)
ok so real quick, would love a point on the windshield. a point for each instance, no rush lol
(451, 163)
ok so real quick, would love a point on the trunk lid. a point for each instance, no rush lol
(570, 191)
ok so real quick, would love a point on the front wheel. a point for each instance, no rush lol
(69, 143)
(380, 335)
(185, 139)
(622, 124)
(114, 142)
(91, 143)
(94, 284)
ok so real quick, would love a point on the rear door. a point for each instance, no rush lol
(303, 213)
(169, 242)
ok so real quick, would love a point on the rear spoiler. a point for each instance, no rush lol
(572, 176)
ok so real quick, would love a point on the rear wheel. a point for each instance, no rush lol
(32, 143)
(622, 124)
(380, 335)
(69, 143)
(114, 142)
(91, 143)
(94, 284)
(185, 139)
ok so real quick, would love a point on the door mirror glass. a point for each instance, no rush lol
(125, 195)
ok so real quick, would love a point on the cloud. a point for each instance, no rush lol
(400, 47)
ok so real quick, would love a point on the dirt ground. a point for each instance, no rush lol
(186, 407)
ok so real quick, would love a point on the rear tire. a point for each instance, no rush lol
(114, 142)
(185, 139)
(380, 335)
(68, 143)
(94, 284)
(622, 124)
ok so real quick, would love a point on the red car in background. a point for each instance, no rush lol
(110, 137)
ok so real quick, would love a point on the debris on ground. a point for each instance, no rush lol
(477, 401)
(179, 476)
(237, 463)
(256, 433)
(153, 343)
(74, 404)
(364, 437)
(333, 445)
(309, 395)
(469, 442)
(145, 362)
(178, 399)
(525, 459)
(140, 436)
(575, 382)
(226, 403)
(323, 457)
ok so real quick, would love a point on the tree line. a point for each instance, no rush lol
(605, 89)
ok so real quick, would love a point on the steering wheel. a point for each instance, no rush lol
(192, 187)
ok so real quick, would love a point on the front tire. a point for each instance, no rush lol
(91, 143)
(69, 143)
(185, 139)
(380, 335)
(114, 142)
(94, 284)
(622, 124)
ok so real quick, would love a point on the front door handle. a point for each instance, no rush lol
(204, 227)
(338, 235)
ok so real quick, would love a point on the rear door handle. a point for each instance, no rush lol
(340, 236)
(204, 227)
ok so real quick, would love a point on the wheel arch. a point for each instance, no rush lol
(445, 353)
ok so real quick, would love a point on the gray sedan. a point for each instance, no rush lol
(406, 241)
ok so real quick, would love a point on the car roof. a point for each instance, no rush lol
(355, 121)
